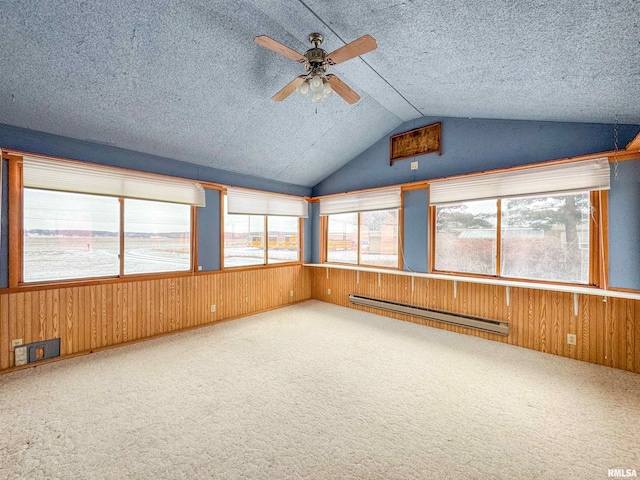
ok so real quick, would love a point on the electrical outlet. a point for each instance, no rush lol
(414, 165)
(328, 291)
(213, 309)
(571, 338)
(199, 268)
(20, 354)
(291, 293)
(16, 343)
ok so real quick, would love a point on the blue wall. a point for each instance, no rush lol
(472, 146)
(208, 217)
(415, 230)
(624, 225)
(209, 232)
(54, 145)
(308, 236)
(314, 220)
(476, 145)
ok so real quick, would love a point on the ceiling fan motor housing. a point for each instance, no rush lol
(316, 56)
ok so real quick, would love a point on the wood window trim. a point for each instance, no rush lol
(598, 246)
(16, 241)
(16, 236)
(400, 246)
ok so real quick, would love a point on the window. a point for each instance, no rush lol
(540, 223)
(74, 236)
(366, 238)
(541, 238)
(157, 237)
(342, 239)
(362, 228)
(245, 244)
(284, 245)
(69, 233)
(546, 238)
(466, 237)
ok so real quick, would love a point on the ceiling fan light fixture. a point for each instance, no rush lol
(315, 84)
(317, 97)
(327, 91)
(303, 89)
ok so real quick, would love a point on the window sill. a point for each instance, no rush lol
(584, 290)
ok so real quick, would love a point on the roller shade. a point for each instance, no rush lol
(98, 180)
(386, 199)
(251, 202)
(564, 177)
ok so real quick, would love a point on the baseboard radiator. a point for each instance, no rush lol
(492, 326)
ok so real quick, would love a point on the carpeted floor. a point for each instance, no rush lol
(318, 391)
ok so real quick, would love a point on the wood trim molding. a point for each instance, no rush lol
(16, 240)
(431, 239)
(194, 239)
(401, 232)
(498, 237)
(223, 197)
(121, 253)
(634, 145)
(324, 238)
(300, 240)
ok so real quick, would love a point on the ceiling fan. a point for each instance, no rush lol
(316, 63)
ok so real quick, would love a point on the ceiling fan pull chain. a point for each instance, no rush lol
(615, 145)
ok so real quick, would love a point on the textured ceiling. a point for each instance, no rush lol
(184, 79)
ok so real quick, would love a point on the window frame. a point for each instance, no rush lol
(16, 238)
(324, 240)
(598, 245)
(223, 195)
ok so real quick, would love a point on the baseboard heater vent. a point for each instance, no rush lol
(492, 326)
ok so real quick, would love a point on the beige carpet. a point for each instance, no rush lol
(318, 391)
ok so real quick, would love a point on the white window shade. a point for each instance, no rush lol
(386, 199)
(251, 202)
(569, 177)
(98, 180)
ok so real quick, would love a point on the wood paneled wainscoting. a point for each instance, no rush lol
(608, 332)
(91, 317)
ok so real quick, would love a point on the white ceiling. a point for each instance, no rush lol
(184, 80)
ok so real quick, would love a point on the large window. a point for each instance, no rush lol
(76, 220)
(542, 222)
(69, 235)
(365, 238)
(73, 236)
(245, 243)
(543, 237)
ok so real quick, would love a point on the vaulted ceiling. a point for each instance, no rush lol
(185, 80)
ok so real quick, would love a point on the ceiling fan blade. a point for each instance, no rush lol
(271, 44)
(343, 89)
(354, 49)
(288, 89)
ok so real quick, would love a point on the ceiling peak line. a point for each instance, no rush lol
(331, 128)
(365, 62)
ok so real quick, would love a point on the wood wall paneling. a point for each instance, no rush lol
(608, 332)
(92, 317)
